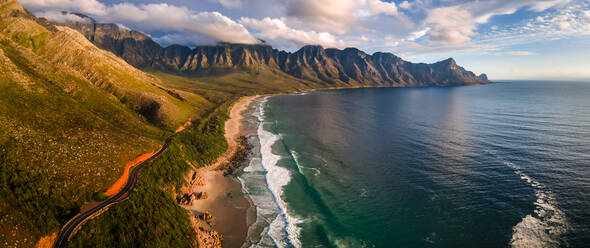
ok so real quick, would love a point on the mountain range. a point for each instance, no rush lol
(334, 67)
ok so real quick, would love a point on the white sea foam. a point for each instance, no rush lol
(254, 185)
(316, 172)
(296, 158)
(266, 231)
(347, 242)
(276, 178)
(546, 225)
(364, 193)
(301, 168)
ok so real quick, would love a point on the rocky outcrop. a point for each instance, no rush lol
(350, 66)
(187, 199)
(483, 76)
(134, 47)
(238, 158)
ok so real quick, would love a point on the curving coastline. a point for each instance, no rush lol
(241, 213)
(231, 210)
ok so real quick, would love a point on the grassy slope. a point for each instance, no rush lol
(71, 116)
(151, 217)
(217, 88)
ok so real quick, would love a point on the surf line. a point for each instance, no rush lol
(547, 224)
(276, 178)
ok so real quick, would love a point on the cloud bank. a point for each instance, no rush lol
(152, 17)
(413, 29)
(277, 30)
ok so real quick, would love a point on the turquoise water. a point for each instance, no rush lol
(481, 166)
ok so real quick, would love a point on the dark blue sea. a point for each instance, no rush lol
(498, 165)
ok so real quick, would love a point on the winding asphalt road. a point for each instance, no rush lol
(78, 220)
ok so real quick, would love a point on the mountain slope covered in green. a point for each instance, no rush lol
(71, 116)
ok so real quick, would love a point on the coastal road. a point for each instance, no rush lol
(78, 220)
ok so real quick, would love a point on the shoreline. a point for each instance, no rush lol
(231, 210)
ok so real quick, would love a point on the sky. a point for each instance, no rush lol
(506, 39)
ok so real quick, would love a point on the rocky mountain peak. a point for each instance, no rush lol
(311, 50)
(449, 61)
(353, 50)
(387, 57)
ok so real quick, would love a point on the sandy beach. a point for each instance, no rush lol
(232, 212)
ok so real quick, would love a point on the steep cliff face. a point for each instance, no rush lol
(355, 67)
(223, 56)
(327, 66)
(134, 47)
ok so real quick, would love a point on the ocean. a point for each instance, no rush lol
(497, 165)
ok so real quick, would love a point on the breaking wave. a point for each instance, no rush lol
(276, 178)
(545, 226)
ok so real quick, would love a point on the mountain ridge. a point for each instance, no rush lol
(331, 66)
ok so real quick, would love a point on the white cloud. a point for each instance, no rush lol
(63, 17)
(132, 13)
(392, 41)
(515, 53)
(405, 5)
(121, 26)
(160, 17)
(457, 24)
(564, 25)
(542, 5)
(418, 34)
(484, 10)
(334, 15)
(379, 7)
(431, 51)
(190, 39)
(450, 24)
(561, 23)
(93, 7)
(276, 30)
(321, 21)
(230, 3)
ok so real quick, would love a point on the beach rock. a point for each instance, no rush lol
(197, 180)
(206, 236)
(187, 199)
(239, 157)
